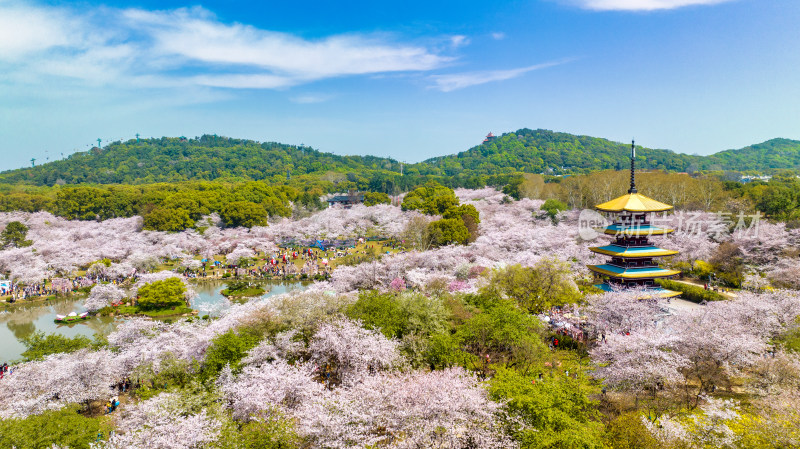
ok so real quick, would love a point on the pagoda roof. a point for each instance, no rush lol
(633, 251)
(633, 202)
(632, 272)
(634, 230)
(658, 291)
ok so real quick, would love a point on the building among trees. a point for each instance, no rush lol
(634, 260)
(351, 198)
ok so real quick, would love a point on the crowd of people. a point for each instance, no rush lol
(290, 262)
(5, 370)
(305, 263)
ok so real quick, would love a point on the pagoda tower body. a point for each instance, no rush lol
(634, 260)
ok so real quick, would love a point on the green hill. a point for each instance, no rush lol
(179, 159)
(538, 151)
(772, 154)
(210, 158)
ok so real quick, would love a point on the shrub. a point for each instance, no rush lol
(64, 428)
(548, 283)
(690, 292)
(373, 198)
(553, 207)
(39, 345)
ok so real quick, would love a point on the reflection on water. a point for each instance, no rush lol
(211, 302)
(21, 320)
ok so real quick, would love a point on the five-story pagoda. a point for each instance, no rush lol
(633, 261)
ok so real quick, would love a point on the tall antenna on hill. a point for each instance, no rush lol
(137, 137)
(98, 144)
(33, 162)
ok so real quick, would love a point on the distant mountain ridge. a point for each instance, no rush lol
(525, 150)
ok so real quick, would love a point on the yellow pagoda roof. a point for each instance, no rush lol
(633, 202)
(632, 272)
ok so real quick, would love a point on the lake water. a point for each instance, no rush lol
(18, 321)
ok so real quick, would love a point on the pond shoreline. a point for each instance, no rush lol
(23, 318)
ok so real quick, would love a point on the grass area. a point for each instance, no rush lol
(136, 310)
(243, 291)
(690, 292)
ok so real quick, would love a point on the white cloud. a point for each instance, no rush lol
(310, 98)
(193, 34)
(455, 81)
(135, 47)
(498, 36)
(25, 29)
(641, 5)
(459, 40)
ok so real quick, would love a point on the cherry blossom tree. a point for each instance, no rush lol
(264, 388)
(446, 408)
(352, 350)
(162, 422)
(103, 295)
(241, 252)
(56, 381)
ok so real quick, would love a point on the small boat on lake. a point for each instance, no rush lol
(72, 317)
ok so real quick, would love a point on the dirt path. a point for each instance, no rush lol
(728, 295)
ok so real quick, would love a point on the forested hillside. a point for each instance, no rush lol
(543, 151)
(772, 154)
(490, 163)
(179, 159)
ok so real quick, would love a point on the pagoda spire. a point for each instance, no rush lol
(633, 172)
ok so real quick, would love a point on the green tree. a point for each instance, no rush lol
(538, 288)
(243, 213)
(432, 199)
(228, 349)
(777, 200)
(508, 334)
(38, 345)
(512, 189)
(399, 314)
(469, 215)
(462, 211)
(727, 260)
(162, 294)
(447, 231)
(557, 411)
(373, 198)
(14, 235)
(65, 428)
(170, 220)
(553, 207)
(271, 431)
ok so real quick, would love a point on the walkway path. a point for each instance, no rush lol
(727, 295)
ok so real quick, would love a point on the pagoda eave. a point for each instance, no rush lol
(632, 273)
(658, 292)
(633, 202)
(632, 252)
(635, 231)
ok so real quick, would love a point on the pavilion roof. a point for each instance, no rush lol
(633, 202)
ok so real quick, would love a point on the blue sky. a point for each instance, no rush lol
(409, 80)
